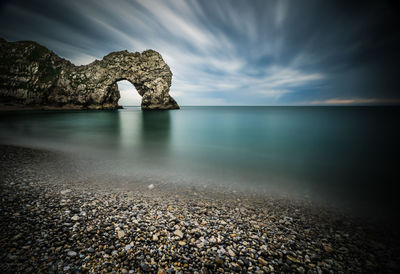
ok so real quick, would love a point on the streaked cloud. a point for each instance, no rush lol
(356, 101)
(227, 52)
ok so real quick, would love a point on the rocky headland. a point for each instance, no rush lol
(33, 76)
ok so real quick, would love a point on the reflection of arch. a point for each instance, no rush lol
(148, 132)
(156, 127)
(156, 134)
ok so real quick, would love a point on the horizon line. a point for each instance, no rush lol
(310, 105)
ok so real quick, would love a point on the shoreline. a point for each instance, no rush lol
(12, 108)
(54, 221)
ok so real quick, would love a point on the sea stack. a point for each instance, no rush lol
(32, 75)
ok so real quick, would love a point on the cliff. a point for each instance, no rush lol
(32, 75)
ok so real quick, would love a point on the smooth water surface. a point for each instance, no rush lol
(347, 155)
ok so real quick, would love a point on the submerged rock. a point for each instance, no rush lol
(32, 75)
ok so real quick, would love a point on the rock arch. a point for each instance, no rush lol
(46, 79)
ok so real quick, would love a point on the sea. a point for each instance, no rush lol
(347, 156)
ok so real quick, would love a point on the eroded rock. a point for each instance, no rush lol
(32, 75)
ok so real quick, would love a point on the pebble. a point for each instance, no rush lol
(72, 253)
(75, 218)
(178, 233)
(219, 261)
(128, 247)
(262, 261)
(120, 234)
(171, 230)
(145, 267)
(327, 248)
(293, 259)
(66, 191)
(343, 250)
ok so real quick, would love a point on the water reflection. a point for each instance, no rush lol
(129, 124)
(155, 133)
(145, 136)
(345, 154)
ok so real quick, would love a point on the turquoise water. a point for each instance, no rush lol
(347, 155)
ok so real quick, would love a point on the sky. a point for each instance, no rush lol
(230, 52)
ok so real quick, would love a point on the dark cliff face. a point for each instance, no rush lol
(32, 75)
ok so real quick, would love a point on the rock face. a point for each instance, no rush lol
(32, 75)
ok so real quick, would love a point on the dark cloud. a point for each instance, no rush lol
(231, 52)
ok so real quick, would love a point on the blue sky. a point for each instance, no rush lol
(230, 52)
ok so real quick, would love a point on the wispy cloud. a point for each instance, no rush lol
(220, 52)
(355, 101)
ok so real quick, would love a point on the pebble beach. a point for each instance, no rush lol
(53, 220)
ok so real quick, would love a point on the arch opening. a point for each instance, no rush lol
(129, 96)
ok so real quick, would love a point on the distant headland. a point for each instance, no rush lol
(33, 76)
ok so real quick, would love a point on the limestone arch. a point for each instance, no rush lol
(57, 83)
(146, 71)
